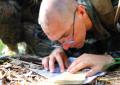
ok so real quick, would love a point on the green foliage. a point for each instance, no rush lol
(1, 47)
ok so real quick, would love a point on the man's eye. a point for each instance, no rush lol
(65, 35)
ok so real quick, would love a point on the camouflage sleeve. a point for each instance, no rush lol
(114, 46)
(115, 54)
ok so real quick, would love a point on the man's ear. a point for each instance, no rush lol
(81, 10)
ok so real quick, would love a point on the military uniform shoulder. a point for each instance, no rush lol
(103, 15)
(105, 10)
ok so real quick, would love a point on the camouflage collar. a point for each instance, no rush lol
(89, 8)
(99, 31)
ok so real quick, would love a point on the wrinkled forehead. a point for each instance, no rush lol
(54, 29)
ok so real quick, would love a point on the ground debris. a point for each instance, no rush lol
(111, 78)
(17, 72)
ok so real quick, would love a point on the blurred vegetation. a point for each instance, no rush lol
(2, 46)
(5, 51)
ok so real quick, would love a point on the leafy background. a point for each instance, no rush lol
(2, 46)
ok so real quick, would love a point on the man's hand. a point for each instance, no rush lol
(58, 56)
(95, 62)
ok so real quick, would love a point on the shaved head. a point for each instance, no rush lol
(60, 19)
(56, 15)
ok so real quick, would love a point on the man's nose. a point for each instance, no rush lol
(66, 46)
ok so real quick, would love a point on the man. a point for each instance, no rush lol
(69, 22)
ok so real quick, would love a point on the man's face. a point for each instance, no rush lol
(74, 37)
(70, 35)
